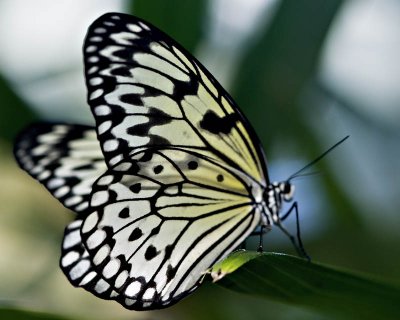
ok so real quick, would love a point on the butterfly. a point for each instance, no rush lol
(171, 179)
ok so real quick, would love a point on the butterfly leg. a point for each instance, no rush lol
(258, 232)
(299, 244)
(260, 245)
(263, 230)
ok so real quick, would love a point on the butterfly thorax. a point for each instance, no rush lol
(274, 195)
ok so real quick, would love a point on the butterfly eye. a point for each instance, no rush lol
(287, 190)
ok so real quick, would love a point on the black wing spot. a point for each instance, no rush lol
(131, 99)
(85, 167)
(170, 273)
(155, 231)
(192, 165)
(135, 188)
(158, 140)
(214, 124)
(124, 213)
(220, 178)
(124, 54)
(121, 71)
(136, 234)
(158, 169)
(151, 252)
(147, 155)
(155, 118)
(168, 251)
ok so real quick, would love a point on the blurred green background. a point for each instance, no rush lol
(305, 73)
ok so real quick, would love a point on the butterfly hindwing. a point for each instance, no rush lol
(145, 90)
(66, 159)
(77, 265)
(159, 223)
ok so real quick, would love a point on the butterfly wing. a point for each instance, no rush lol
(66, 159)
(145, 90)
(174, 181)
(161, 218)
(159, 222)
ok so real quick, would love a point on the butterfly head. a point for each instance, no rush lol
(286, 190)
(276, 194)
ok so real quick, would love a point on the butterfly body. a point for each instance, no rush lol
(170, 181)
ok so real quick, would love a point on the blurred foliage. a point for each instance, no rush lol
(182, 20)
(275, 68)
(19, 314)
(273, 74)
(14, 112)
(325, 289)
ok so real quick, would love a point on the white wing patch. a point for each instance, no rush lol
(162, 222)
(66, 159)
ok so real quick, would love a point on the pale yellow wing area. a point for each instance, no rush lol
(146, 91)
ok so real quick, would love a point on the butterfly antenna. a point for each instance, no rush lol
(305, 174)
(296, 174)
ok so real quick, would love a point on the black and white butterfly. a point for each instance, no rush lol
(170, 181)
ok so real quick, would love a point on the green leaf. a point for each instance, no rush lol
(295, 281)
(19, 314)
(234, 261)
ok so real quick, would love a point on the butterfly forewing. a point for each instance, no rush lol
(158, 223)
(66, 159)
(145, 90)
